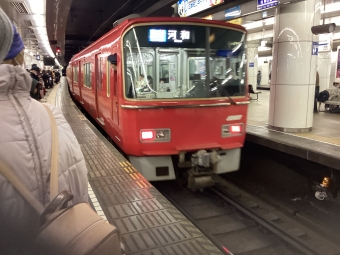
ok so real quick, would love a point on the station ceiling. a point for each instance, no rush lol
(87, 20)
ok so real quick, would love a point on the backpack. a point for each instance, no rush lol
(323, 96)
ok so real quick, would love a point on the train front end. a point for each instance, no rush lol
(184, 99)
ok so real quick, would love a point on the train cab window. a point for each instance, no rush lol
(87, 75)
(180, 64)
(108, 84)
(75, 73)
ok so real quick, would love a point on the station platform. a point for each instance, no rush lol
(321, 145)
(147, 222)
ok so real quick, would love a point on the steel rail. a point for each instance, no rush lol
(283, 235)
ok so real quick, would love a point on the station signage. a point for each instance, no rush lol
(233, 13)
(324, 43)
(190, 7)
(265, 4)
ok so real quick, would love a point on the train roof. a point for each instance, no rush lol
(123, 25)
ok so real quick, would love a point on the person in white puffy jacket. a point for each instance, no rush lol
(25, 144)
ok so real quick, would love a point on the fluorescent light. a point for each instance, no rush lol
(269, 21)
(234, 13)
(263, 48)
(331, 8)
(260, 23)
(41, 30)
(40, 20)
(38, 9)
(37, 6)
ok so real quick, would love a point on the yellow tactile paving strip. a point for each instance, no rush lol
(308, 135)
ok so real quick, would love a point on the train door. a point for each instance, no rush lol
(71, 72)
(115, 88)
(99, 91)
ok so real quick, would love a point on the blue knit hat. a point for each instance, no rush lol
(17, 45)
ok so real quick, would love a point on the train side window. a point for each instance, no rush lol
(115, 83)
(87, 75)
(108, 79)
(75, 74)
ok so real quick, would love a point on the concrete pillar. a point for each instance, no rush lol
(252, 58)
(294, 67)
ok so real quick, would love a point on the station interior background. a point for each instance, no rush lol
(65, 24)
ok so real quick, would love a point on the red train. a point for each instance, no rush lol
(177, 96)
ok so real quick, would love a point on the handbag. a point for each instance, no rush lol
(73, 230)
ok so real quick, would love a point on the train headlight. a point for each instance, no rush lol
(232, 130)
(155, 135)
(147, 135)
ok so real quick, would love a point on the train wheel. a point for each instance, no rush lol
(181, 177)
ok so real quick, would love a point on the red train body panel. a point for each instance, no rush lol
(184, 120)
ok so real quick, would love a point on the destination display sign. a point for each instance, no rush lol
(170, 35)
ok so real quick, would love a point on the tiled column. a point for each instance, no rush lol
(252, 58)
(324, 69)
(294, 67)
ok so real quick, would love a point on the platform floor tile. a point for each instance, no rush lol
(148, 224)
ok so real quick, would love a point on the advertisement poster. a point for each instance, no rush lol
(201, 68)
(337, 73)
(315, 48)
(190, 7)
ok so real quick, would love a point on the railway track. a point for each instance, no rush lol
(239, 223)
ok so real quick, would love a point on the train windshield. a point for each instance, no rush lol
(184, 61)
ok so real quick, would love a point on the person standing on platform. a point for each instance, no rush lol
(25, 143)
(317, 91)
(258, 78)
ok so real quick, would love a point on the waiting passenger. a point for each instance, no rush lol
(259, 76)
(25, 142)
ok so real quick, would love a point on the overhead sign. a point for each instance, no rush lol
(324, 43)
(233, 13)
(190, 7)
(251, 64)
(265, 4)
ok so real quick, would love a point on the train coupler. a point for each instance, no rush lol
(325, 190)
(202, 168)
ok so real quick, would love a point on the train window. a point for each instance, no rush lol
(87, 75)
(75, 73)
(179, 63)
(108, 84)
(99, 73)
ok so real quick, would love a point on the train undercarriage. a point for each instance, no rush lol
(194, 168)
